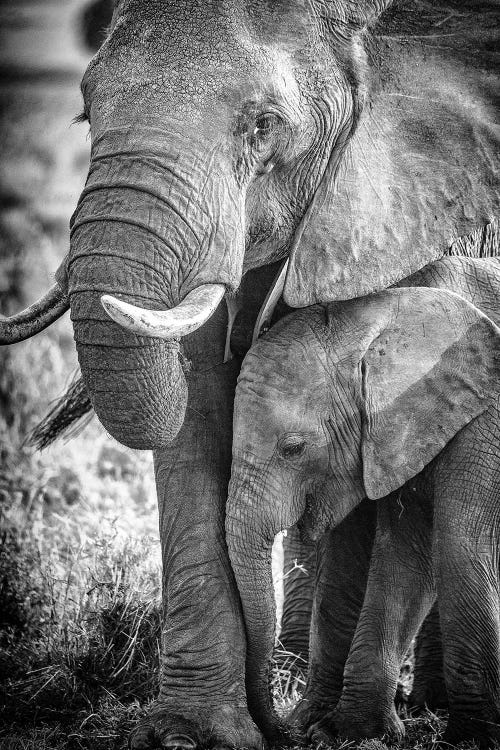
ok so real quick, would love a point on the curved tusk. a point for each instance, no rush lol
(35, 318)
(194, 310)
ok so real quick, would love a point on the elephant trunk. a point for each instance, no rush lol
(253, 518)
(144, 239)
(136, 384)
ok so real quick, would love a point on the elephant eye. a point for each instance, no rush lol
(293, 448)
(265, 133)
(268, 140)
(264, 125)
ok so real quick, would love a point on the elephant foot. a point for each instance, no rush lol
(357, 727)
(306, 713)
(221, 727)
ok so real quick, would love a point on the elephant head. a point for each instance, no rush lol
(360, 397)
(229, 134)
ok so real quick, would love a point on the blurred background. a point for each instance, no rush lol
(79, 550)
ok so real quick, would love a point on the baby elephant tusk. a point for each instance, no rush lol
(35, 318)
(194, 310)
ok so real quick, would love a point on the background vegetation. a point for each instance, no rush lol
(79, 549)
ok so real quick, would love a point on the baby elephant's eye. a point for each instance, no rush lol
(293, 449)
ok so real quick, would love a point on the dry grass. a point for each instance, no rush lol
(80, 627)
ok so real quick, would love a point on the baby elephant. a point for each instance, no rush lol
(394, 398)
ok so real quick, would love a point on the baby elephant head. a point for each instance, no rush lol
(337, 404)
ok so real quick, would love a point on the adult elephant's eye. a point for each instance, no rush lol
(267, 140)
(265, 125)
(293, 448)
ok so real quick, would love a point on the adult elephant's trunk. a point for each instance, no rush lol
(143, 239)
(136, 384)
(251, 525)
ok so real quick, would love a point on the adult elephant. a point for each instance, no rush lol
(354, 138)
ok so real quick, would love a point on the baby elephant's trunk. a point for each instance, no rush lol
(250, 535)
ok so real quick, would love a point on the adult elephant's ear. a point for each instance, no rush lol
(420, 168)
(432, 368)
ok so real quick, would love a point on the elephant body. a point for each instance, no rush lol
(395, 398)
(356, 139)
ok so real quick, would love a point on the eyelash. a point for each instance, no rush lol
(81, 117)
(293, 450)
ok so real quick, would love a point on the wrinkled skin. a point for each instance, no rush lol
(429, 689)
(227, 135)
(396, 399)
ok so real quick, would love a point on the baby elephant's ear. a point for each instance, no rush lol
(432, 369)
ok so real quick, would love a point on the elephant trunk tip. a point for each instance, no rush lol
(139, 393)
(153, 428)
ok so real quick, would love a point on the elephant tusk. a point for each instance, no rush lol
(263, 322)
(194, 310)
(233, 308)
(35, 318)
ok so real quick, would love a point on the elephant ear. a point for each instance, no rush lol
(433, 368)
(419, 171)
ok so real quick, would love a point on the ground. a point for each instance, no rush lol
(79, 548)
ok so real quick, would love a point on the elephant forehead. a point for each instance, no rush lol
(260, 420)
(191, 22)
(289, 360)
(199, 52)
(282, 388)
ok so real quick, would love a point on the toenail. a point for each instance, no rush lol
(178, 742)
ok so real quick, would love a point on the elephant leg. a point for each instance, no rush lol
(343, 560)
(202, 701)
(299, 566)
(399, 594)
(466, 562)
(429, 689)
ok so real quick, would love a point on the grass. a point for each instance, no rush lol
(80, 629)
(80, 626)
